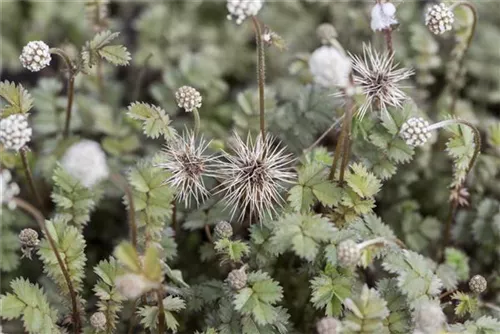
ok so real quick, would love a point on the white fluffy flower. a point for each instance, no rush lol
(86, 161)
(15, 131)
(415, 131)
(329, 67)
(184, 158)
(35, 56)
(239, 10)
(254, 176)
(132, 286)
(383, 16)
(328, 325)
(8, 189)
(428, 317)
(439, 19)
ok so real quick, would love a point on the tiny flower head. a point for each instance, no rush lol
(379, 79)
(326, 33)
(28, 239)
(329, 67)
(86, 162)
(439, 19)
(348, 253)
(188, 98)
(383, 16)
(415, 131)
(253, 177)
(328, 325)
(15, 131)
(478, 284)
(35, 56)
(237, 278)
(98, 321)
(132, 286)
(184, 158)
(8, 189)
(239, 10)
(223, 230)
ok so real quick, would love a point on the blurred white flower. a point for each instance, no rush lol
(15, 131)
(8, 189)
(35, 56)
(428, 317)
(132, 286)
(86, 161)
(383, 16)
(253, 178)
(239, 10)
(184, 158)
(329, 67)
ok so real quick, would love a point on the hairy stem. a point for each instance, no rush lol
(161, 313)
(121, 182)
(174, 216)
(469, 42)
(208, 233)
(388, 40)
(71, 86)
(29, 176)
(196, 115)
(327, 131)
(261, 74)
(347, 140)
(41, 222)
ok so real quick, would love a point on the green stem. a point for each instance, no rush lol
(41, 222)
(29, 176)
(261, 74)
(161, 313)
(469, 42)
(121, 182)
(347, 141)
(196, 115)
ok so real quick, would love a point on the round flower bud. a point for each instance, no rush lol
(86, 162)
(429, 317)
(98, 321)
(8, 189)
(239, 10)
(29, 237)
(237, 278)
(15, 131)
(35, 56)
(223, 230)
(132, 286)
(326, 32)
(383, 16)
(439, 19)
(415, 131)
(328, 325)
(478, 284)
(348, 253)
(188, 98)
(329, 67)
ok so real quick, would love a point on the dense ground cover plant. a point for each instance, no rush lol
(249, 167)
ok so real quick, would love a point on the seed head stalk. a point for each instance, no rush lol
(29, 176)
(261, 74)
(41, 222)
(121, 183)
(469, 42)
(71, 86)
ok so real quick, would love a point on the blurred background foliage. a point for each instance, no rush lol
(175, 43)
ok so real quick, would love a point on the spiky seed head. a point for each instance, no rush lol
(254, 177)
(415, 131)
(326, 33)
(239, 10)
(188, 98)
(184, 158)
(223, 230)
(15, 131)
(35, 56)
(98, 321)
(328, 325)
(237, 278)
(478, 284)
(329, 67)
(348, 253)
(132, 286)
(379, 79)
(383, 16)
(439, 19)
(8, 189)
(429, 317)
(86, 161)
